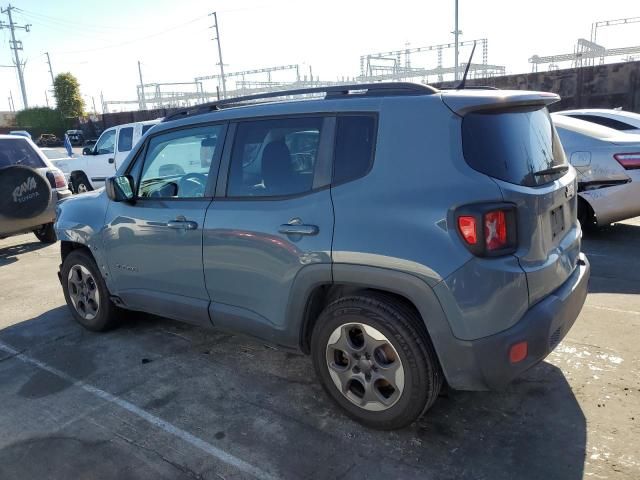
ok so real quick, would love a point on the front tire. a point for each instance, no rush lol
(375, 361)
(86, 293)
(46, 233)
(80, 184)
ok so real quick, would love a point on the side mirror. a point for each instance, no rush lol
(120, 189)
(87, 151)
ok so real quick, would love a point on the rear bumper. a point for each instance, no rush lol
(542, 327)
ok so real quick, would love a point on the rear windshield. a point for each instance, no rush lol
(513, 145)
(16, 151)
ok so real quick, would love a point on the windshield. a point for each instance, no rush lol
(518, 146)
(18, 152)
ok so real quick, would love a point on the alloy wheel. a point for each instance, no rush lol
(83, 292)
(365, 367)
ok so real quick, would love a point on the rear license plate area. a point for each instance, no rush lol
(557, 221)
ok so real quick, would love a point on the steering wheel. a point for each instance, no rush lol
(192, 185)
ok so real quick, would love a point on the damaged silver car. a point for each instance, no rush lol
(608, 165)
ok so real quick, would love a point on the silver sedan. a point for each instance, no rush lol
(608, 165)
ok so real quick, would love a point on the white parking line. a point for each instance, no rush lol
(152, 419)
(618, 310)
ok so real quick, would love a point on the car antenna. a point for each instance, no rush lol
(466, 70)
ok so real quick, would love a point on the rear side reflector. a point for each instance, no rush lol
(630, 161)
(467, 226)
(518, 352)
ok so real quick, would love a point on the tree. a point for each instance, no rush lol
(42, 120)
(66, 89)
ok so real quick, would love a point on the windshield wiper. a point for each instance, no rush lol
(552, 170)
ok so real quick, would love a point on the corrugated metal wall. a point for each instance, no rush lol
(602, 86)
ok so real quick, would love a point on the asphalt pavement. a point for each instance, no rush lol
(157, 399)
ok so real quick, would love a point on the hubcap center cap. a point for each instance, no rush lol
(364, 365)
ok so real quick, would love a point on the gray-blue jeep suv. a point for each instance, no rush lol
(402, 236)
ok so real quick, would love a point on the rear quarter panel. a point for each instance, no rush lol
(396, 217)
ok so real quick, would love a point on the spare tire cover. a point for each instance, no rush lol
(24, 193)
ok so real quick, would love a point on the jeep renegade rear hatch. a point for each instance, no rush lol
(509, 136)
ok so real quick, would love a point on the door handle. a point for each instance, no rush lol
(296, 227)
(181, 223)
(111, 160)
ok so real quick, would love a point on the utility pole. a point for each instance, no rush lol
(456, 33)
(93, 100)
(12, 106)
(50, 69)
(224, 83)
(16, 45)
(46, 97)
(143, 100)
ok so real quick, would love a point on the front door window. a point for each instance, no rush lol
(177, 164)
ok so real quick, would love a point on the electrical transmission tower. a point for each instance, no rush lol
(16, 46)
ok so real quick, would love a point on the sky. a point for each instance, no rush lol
(101, 42)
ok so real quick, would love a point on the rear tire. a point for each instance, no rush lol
(86, 293)
(375, 361)
(46, 233)
(586, 216)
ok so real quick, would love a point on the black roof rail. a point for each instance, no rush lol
(333, 91)
(472, 87)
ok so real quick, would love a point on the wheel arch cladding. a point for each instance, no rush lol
(402, 287)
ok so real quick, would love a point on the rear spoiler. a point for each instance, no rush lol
(462, 102)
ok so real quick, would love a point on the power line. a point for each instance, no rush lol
(16, 46)
(127, 42)
(67, 22)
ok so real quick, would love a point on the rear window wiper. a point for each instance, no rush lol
(553, 170)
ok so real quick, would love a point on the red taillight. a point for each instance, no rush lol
(488, 229)
(59, 179)
(495, 230)
(630, 161)
(467, 226)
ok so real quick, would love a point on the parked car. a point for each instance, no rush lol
(30, 186)
(89, 171)
(76, 137)
(608, 165)
(22, 133)
(401, 235)
(628, 122)
(48, 140)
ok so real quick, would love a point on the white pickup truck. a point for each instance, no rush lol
(89, 172)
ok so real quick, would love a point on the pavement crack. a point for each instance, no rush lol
(183, 468)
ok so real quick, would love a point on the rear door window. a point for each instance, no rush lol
(274, 157)
(16, 151)
(125, 139)
(514, 145)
